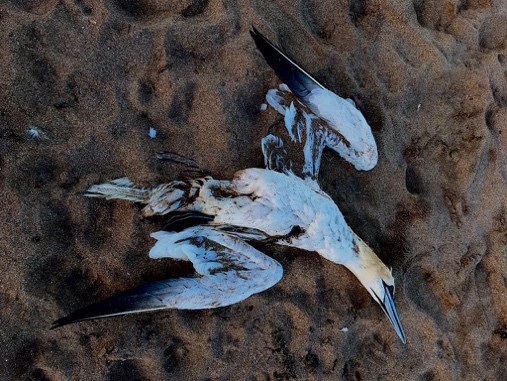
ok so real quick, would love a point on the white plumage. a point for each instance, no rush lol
(330, 120)
(325, 120)
(278, 204)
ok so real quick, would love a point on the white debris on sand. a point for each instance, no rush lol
(263, 107)
(344, 329)
(36, 134)
(123, 182)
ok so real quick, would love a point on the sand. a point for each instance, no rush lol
(95, 75)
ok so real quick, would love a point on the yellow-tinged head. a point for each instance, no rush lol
(377, 279)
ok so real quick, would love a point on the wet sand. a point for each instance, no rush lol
(94, 76)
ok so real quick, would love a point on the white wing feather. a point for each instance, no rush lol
(228, 270)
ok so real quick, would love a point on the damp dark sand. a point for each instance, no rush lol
(94, 76)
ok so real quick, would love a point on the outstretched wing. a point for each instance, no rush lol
(228, 270)
(341, 125)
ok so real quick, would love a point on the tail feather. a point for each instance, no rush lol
(166, 198)
(119, 189)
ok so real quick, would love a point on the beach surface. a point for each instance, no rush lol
(92, 77)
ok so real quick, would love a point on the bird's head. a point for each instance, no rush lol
(378, 280)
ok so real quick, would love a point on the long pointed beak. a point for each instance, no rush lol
(389, 308)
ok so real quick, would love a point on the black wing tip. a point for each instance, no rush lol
(256, 35)
(87, 313)
(259, 38)
(287, 70)
(56, 324)
(254, 32)
(93, 311)
(80, 316)
(69, 319)
(132, 301)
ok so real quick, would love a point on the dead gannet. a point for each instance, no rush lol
(278, 204)
(258, 204)
(330, 121)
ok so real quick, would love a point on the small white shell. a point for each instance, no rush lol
(36, 134)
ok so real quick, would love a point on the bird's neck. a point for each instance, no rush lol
(360, 259)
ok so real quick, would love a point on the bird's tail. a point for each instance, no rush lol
(122, 189)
